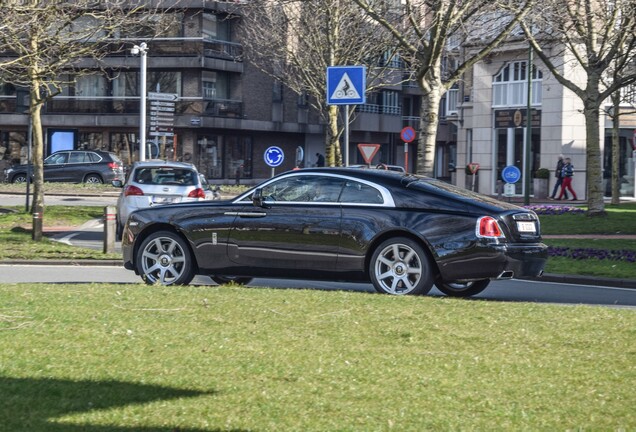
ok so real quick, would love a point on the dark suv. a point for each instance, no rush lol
(74, 166)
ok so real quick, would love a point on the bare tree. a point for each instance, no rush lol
(597, 37)
(427, 31)
(295, 41)
(44, 42)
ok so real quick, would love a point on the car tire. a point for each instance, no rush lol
(400, 266)
(238, 280)
(164, 258)
(462, 289)
(119, 230)
(19, 178)
(93, 179)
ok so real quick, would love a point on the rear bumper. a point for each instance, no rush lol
(495, 261)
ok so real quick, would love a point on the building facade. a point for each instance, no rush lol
(492, 125)
(225, 114)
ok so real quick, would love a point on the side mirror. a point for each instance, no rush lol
(117, 183)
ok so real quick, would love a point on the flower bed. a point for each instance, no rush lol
(554, 209)
(591, 253)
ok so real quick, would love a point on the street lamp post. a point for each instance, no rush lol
(142, 50)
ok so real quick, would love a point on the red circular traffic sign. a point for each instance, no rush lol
(407, 134)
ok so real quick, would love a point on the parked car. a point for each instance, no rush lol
(74, 166)
(158, 182)
(401, 232)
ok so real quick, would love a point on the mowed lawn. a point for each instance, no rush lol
(203, 358)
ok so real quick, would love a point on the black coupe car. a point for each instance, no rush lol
(401, 232)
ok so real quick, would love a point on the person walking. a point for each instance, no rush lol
(558, 173)
(568, 173)
(320, 160)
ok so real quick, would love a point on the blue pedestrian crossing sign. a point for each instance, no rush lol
(346, 85)
(274, 156)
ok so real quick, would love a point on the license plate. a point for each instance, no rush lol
(162, 200)
(526, 227)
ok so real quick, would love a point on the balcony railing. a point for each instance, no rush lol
(379, 109)
(128, 105)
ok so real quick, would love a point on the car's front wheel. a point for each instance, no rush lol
(221, 280)
(164, 258)
(19, 178)
(93, 179)
(400, 266)
(462, 289)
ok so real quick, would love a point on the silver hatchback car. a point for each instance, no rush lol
(158, 182)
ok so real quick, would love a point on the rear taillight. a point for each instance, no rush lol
(488, 227)
(132, 190)
(113, 165)
(197, 193)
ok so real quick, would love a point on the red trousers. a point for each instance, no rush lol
(567, 184)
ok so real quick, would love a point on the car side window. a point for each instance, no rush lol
(93, 157)
(57, 159)
(304, 189)
(360, 193)
(77, 157)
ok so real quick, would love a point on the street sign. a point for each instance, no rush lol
(511, 174)
(274, 156)
(368, 151)
(162, 107)
(473, 167)
(407, 134)
(163, 96)
(346, 85)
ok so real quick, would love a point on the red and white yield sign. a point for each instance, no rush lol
(368, 151)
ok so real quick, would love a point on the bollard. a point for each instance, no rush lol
(110, 228)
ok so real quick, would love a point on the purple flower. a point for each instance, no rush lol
(590, 253)
(554, 209)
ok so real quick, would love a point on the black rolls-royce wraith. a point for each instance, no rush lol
(399, 231)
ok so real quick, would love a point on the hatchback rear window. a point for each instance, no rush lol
(166, 176)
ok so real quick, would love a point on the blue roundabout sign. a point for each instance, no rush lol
(274, 156)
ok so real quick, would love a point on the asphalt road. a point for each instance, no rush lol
(509, 290)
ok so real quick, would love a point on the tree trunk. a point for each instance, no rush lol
(616, 182)
(429, 117)
(332, 145)
(595, 204)
(37, 158)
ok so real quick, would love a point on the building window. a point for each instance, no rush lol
(224, 156)
(510, 86)
(277, 91)
(391, 102)
(216, 85)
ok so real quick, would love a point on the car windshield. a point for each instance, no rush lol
(166, 176)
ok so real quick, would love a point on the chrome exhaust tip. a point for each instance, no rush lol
(507, 274)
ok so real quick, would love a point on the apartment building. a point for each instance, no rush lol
(226, 111)
(491, 119)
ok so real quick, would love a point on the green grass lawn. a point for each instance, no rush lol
(149, 358)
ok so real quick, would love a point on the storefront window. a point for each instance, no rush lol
(222, 156)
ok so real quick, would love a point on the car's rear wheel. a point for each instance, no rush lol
(19, 178)
(462, 289)
(399, 266)
(164, 258)
(93, 179)
(221, 280)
